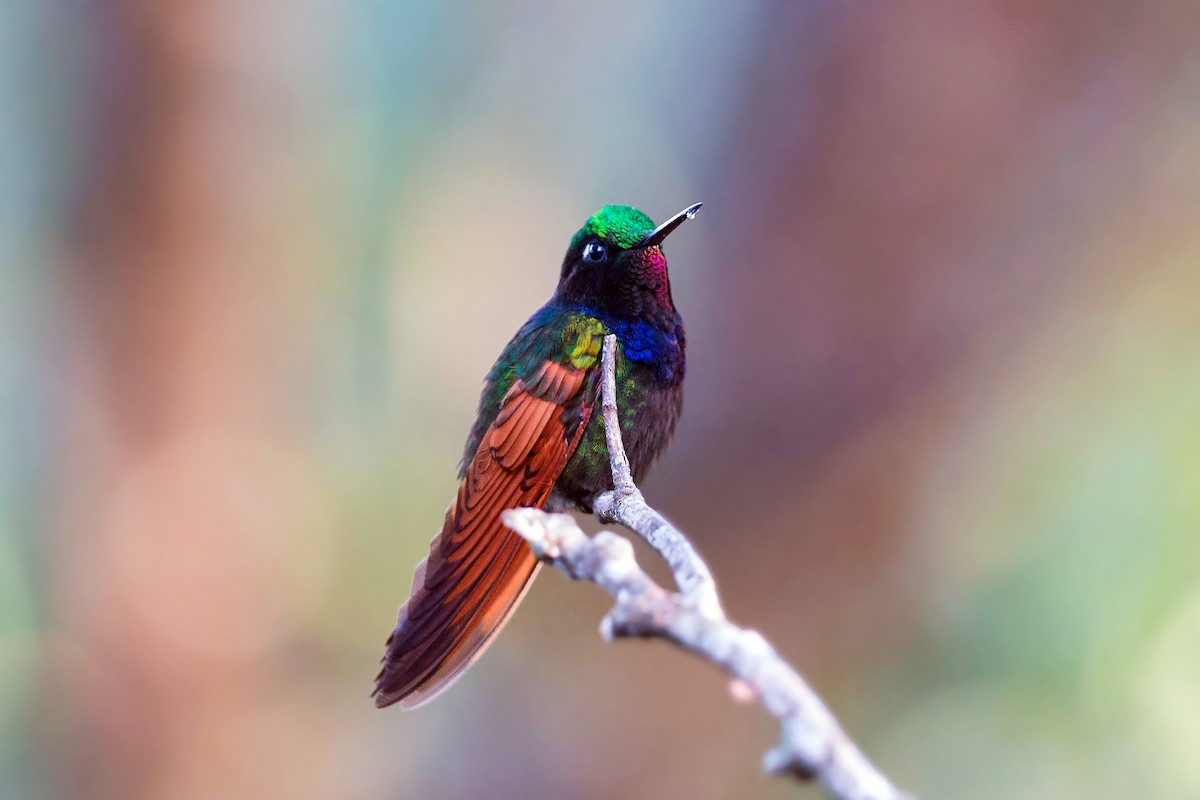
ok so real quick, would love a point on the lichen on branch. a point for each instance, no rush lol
(812, 744)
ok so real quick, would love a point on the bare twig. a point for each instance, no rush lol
(625, 505)
(813, 744)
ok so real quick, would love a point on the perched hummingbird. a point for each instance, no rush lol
(538, 440)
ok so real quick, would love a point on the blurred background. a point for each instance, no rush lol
(942, 439)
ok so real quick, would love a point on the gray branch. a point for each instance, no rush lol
(813, 744)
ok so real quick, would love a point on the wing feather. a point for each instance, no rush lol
(477, 570)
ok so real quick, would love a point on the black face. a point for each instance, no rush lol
(616, 282)
(628, 282)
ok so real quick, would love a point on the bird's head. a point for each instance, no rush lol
(616, 266)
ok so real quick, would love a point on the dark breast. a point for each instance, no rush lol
(647, 434)
(649, 408)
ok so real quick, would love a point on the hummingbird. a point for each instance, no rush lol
(538, 440)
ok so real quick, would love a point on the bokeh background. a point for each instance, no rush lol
(942, 440)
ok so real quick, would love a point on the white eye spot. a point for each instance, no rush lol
(595, 253)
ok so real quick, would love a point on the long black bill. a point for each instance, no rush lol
(663, 231)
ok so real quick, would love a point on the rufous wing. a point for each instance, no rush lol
(478, 570)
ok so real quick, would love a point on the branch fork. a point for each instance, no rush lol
(812, 745)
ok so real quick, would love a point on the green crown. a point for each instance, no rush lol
(624, 226)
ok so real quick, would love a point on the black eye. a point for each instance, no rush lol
(595, 252)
